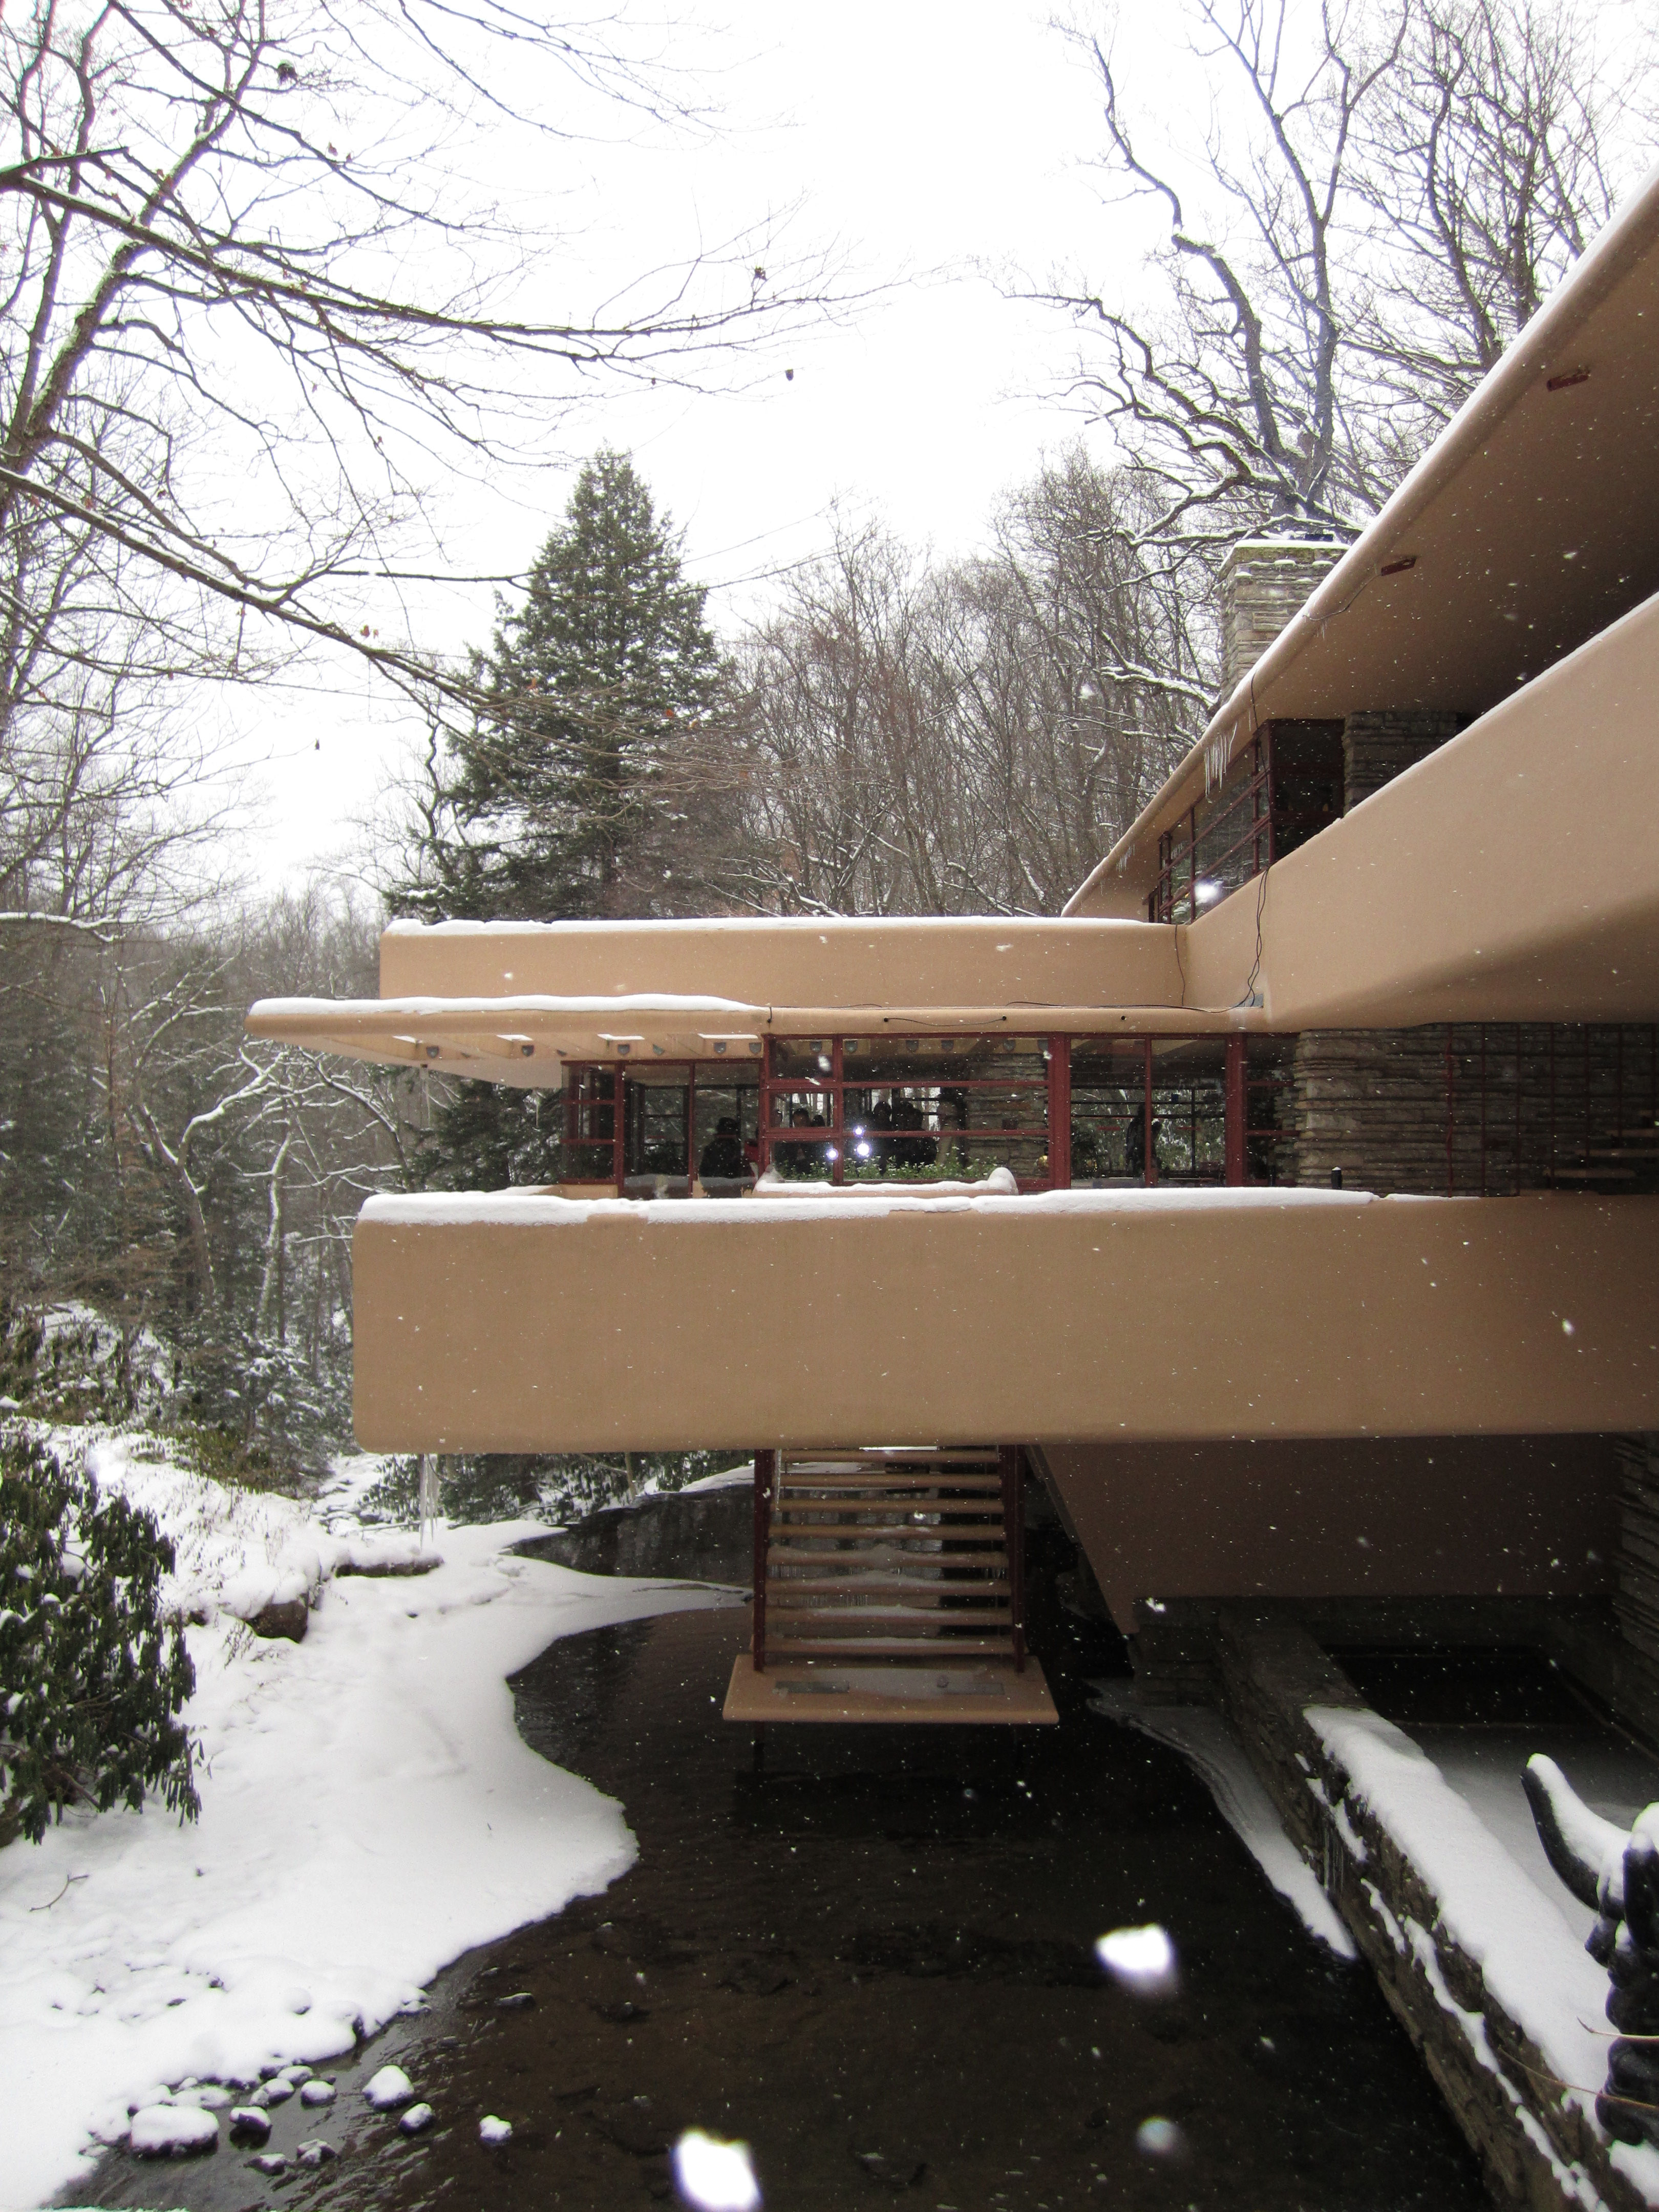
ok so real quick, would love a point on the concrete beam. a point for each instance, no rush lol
(1513, 875)
(524, 1324)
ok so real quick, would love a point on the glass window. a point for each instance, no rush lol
(935, 1060)
(804, 1159)
(954, 1156)
(1108, 1110)
(590, 1123)
(1189, 1110)
(728, 1120)
(803, 1056)
(808, 1107)
(655, 1142)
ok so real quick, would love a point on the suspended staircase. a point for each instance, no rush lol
(889, 1586)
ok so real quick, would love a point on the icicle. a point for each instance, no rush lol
(1216, 761)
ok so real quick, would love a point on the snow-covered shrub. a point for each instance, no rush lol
(92, 1677)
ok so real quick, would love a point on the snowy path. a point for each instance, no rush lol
(368, 1812)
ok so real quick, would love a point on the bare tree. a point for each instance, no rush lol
(1232, 402)
(970, 738)
(1396, 189)
(231, 261)
(1491, 165)
(1091, 672)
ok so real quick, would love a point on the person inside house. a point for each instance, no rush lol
(912, 1151)
(1135, 1147)
(722, 1157)
(802, 1159)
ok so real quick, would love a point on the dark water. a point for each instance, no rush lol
(873, 1961)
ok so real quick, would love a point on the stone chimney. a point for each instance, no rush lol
(1263, 583)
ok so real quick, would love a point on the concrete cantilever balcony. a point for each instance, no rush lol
(525, 1323)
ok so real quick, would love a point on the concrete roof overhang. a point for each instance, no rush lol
(1530, 525)
(507, 1000)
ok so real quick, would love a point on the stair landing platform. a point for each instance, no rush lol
(826, 1690)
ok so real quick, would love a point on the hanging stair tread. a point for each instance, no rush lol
(790, 1586)
(894, 1646)
(888, 1587)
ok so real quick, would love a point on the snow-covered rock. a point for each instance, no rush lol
(316, 2152)
(171, 2131)
(250, 2120)
(417, 2119)
(388, 2088)
(493, 2130)
(317, 2093)
(208, 2094)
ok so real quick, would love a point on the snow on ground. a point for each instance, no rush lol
(734, 1478)
(368, 1812)
(1204, 1738)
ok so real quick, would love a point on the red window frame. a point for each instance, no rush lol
(1056, 1048)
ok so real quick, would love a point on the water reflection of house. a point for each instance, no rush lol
(1323, 1262)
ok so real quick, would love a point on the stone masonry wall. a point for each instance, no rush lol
(1539, 2148)
(1263, 583)
(1374, 1103)
(1378, 746)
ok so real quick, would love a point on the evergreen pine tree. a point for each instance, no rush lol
(596, 784)
(574, 792)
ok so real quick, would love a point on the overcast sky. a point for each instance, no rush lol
(934, 146)
(941, 147)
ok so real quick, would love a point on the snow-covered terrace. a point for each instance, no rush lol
(514, 1322)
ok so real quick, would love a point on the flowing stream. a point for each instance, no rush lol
(873, 1960)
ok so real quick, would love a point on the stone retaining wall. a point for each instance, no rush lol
(1537, 2150)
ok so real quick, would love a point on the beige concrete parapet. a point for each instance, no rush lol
(517, 1324)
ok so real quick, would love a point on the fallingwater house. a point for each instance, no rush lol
(1289, 1207)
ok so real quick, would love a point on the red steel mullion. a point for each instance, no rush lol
(837, 1119)
(1236, 1095)
(1149, 1165)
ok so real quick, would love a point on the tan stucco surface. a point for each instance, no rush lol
(557, 1326)
(1446, 1517)
(1511, 876)
(816, 965)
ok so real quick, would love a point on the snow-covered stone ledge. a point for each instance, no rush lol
(1485, 1975)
